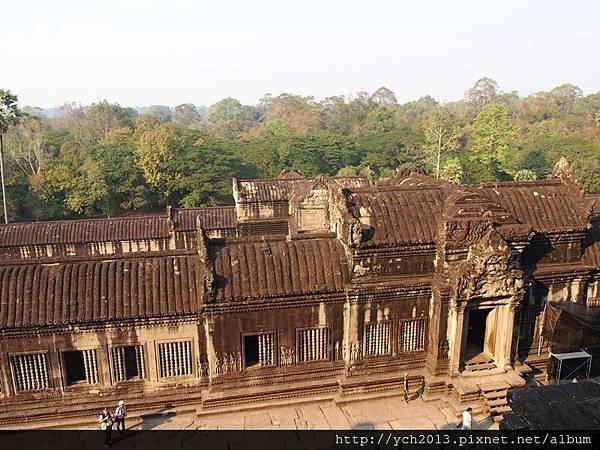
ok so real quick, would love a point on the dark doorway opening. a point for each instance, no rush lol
(251, 353)
(74, 367)
(131, 364)
(476, 333)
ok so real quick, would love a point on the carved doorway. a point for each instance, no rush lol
(479, 343)
(476, 332)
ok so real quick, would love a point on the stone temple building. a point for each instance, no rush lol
(324, 286)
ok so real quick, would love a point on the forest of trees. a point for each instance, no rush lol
(105, 159)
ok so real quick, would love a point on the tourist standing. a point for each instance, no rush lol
(106, 424)
(406, 387)
(121, 413)
(467, 420)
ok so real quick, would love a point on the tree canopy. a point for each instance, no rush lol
(104, 159)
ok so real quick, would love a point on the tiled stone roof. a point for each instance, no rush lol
(279, 268)
(97, 291)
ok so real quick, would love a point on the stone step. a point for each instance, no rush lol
(500, 410)
(494, 395)
(495, 386)
(497, 402)
(479, 367)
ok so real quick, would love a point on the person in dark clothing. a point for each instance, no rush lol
(106, 423)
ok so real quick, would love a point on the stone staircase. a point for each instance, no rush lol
(479, 363)
(495, 398)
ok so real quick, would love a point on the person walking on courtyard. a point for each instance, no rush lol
(467, 420)
(406, 387)
(106, 424)
(121, 413)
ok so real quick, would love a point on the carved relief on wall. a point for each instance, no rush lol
(443, 349)
(287, 356)
(487, 273)
(355, 352)
(463, 233)
(228, 362)
(339, 349)
(203, 366)
(342, 220)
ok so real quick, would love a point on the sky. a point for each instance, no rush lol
(145, 52)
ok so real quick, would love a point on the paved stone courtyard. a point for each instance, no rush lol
(379, 413)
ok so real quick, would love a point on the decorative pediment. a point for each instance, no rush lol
(309, 207)
(489, 272)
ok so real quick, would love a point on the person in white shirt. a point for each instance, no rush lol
(467, 420)
(121, 413)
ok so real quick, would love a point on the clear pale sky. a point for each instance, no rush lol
(142, 52)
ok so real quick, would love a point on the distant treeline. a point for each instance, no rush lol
(104, 159)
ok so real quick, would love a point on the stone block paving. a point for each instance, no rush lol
(371, 414)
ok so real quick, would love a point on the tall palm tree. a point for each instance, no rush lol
(9, 115)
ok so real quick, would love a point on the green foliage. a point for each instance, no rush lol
(441, 132)
(484, 91)
(491, 136)
(318, 153)
(75, 180)
(9, 112)
(380, 120)
(525, 175)
(186, 115)
(105, 159)
(452, 170)
(115, 156)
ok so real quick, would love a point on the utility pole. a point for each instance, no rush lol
(2, 177)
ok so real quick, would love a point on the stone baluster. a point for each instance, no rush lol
(94, 368)
(188, 357)
(86, 365)
(261, 349)
(388, 338)
(173, 359)
(37, 368)
(181, 355)
(139, 361)
(162, 352)
(44, 366)
(35, 376)
(116, 365)
(18, 372)
(306, 356)
(123, 367)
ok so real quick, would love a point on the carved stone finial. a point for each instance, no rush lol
(562, 169)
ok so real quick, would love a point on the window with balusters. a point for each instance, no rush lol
(312, 344)
(30, 372)
(80, 366)
(411, 335)
(175, 359)
(377, 339)
(259, 350)
(128, 363)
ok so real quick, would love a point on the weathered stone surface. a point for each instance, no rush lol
(304, 287)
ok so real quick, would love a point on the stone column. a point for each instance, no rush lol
(438, 345)
(351, 332)
(508, 326)
(460, 331)
(210, 348)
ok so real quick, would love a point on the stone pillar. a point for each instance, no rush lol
(351, 332)
(459, 327)
(210, 348)
(5, 377)
(438, 345)
(508, 326)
